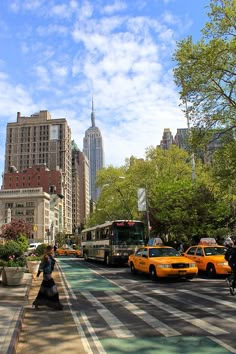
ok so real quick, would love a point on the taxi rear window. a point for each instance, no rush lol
(214, 251)
(163, 252)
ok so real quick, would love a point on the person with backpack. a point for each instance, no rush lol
(230, 257)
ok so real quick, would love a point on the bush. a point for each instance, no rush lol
(11, 248)
(40, 250)
(23, 241)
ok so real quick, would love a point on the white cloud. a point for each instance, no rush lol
(117, 51)
(115, 7)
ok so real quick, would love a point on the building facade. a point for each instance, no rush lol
(38, 140)
(167, 139)
(30, 204)
(80, 187)
(93, 149)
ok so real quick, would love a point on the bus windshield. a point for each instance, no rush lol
(126, 233)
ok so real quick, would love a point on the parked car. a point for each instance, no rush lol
(162, 262)
(209, 257)
(32, 248)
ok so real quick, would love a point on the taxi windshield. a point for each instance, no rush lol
(214, 251)
(163, 252)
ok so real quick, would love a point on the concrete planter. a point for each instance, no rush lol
(33, 266)
(13, 275)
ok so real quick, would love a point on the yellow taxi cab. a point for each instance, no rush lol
(68, 252)
(161, 262)
(209, 257)
(72, 252)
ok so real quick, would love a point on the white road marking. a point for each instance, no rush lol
(114, 323)
(144, 316)
(79, 328)
(95, 339)
(222, 344)
(208, 327)
(207, 297)
(210, 310)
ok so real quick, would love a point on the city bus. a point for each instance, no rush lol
(113, 241)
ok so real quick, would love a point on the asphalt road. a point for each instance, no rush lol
(117, 312)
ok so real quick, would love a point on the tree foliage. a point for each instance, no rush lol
(206, 70)
(15, 228)
(178, 207)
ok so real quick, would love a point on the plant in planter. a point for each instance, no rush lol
(33, 261)
(33, 257)
(13, 262)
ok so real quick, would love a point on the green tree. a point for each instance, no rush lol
(205, 71)
(178, 207)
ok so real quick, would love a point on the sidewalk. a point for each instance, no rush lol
(45, 330)
(12, 306)
(25, 330)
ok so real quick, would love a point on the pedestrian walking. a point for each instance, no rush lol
(48, 293)
(230, 256)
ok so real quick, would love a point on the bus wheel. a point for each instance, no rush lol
(132, 268)
(153, 273)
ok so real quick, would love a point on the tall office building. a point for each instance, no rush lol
(182, 138)
(38, 140)
(167, 139)
(80, 188)
(93, 149)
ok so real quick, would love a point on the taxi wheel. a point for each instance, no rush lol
(153, 273)
(132, 268)
(211, 272)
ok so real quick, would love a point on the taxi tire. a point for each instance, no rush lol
(153, 273)
(211, 271)
(132, 268)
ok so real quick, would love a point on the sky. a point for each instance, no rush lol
(58, 55)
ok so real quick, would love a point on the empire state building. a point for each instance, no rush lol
(93, 149)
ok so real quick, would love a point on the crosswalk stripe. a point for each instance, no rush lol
(207, 297)
(208, 327)
(114, 323)
(210, 310)
(144, 316)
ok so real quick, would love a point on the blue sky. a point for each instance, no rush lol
(56, 55)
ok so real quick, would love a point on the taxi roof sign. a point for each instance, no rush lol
(155, 241)
(208, 241)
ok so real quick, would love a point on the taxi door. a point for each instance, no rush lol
(144, 261)
(191, 253)
(200, 260)
(138, 259)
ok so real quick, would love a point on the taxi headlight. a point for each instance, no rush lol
(164, 266)
(192, 265)
(222, 263)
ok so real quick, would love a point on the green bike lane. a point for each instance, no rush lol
(83, 279)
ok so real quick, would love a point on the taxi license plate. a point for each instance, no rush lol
(182, 271)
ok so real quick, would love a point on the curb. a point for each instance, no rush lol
(14, 333)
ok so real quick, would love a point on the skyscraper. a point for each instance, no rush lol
(93, 149)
